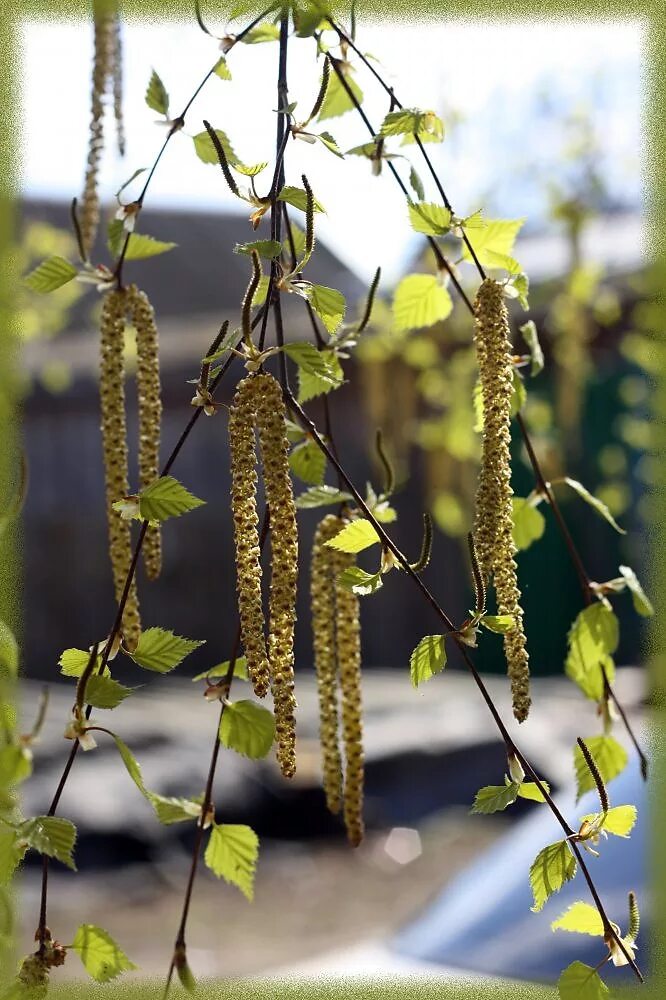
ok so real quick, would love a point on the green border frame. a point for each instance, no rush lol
(654, 17)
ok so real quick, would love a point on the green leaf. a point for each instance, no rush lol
(52, 273)
(529, 523)
(131, 765)
(268, 249)
(358, 582)
(498, 623)
(232, 853)
(9, 651)
(173, 810)
(102, 958)
(311, 385)
(580, 918)
(297, 197)
(105, 692)
(642, 603)
(420, 300)
(265, 32)
(166, 497)
(137, 173)
(552, 867)
(609, 756)
(491, 237)
(329, 304)
(221, 669)
(428, 659)
(156, 96)
(50, 835)
(354, 537)
(619, 820)
(581, 982)
(308, 462)
(531, 791)
(593, 636)
(594, 502)
(73, 662)
(321, 496)
(519, 394)
(337, 101)
(205, 150)
(160, 650)
(429, 218)
(248, 170)
(416, 184)
(186, 976)
(15, 765)
(494, 798)
(412, 121)
(222, 70)
(142, 246)
(531, 338)
(318, 363)
(12, 852)
(116, 234)
(248, 729)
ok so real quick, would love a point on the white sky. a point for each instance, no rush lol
(483, 70)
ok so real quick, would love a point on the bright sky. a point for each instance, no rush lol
(490, 73)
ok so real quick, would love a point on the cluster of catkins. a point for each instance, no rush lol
(118, 304)
(258, 406)
(337, 655)
(493, 529)
(106, 77)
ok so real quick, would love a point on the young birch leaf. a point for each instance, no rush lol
(50, 835)
(593, 637)
(222, 70)
(298, 198)
(354, 537)
(205, 150)
(141, 246)
(265, 32)
(358, 582)
(310, 385)
(642, 603)
(248, 729)
(103, 960)
(12, 852)
(186, 976)
(552, 867)
(337, 101)
(412, 121)
(105, 692)
(52, 273)
(166, 497)
(321, 496)
(494, 798)
(9, 651)
(580, 918)
(428, 659)
(416, 184)
(531, 791)
(173, 810)
(429, 218)
(419, 301)
(501, 624)
(73, 662)
(619, 820)
(221, 670)
(531, 338)
(594, 502)
(581, 982)
(308, 462)
(321, 364)
(157, 98)
(494, 236)
(268, 249)
(232, 853)
(609, 756)
(160, 650)
(329, 304)
(15, 765)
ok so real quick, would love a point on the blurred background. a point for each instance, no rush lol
(543, 122)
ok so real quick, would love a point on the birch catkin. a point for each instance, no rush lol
(114, 442)
(150, 413)
(494, 520)
(104, 43)
(258, 403)
(322, 603)
(348, 637)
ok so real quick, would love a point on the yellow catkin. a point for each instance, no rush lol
(322, 604)
(246, 535)
(104, 46)
(114, 442)
(117, 80)
(271, 418)
(494, 522)
(150, 413)
(348, 639)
